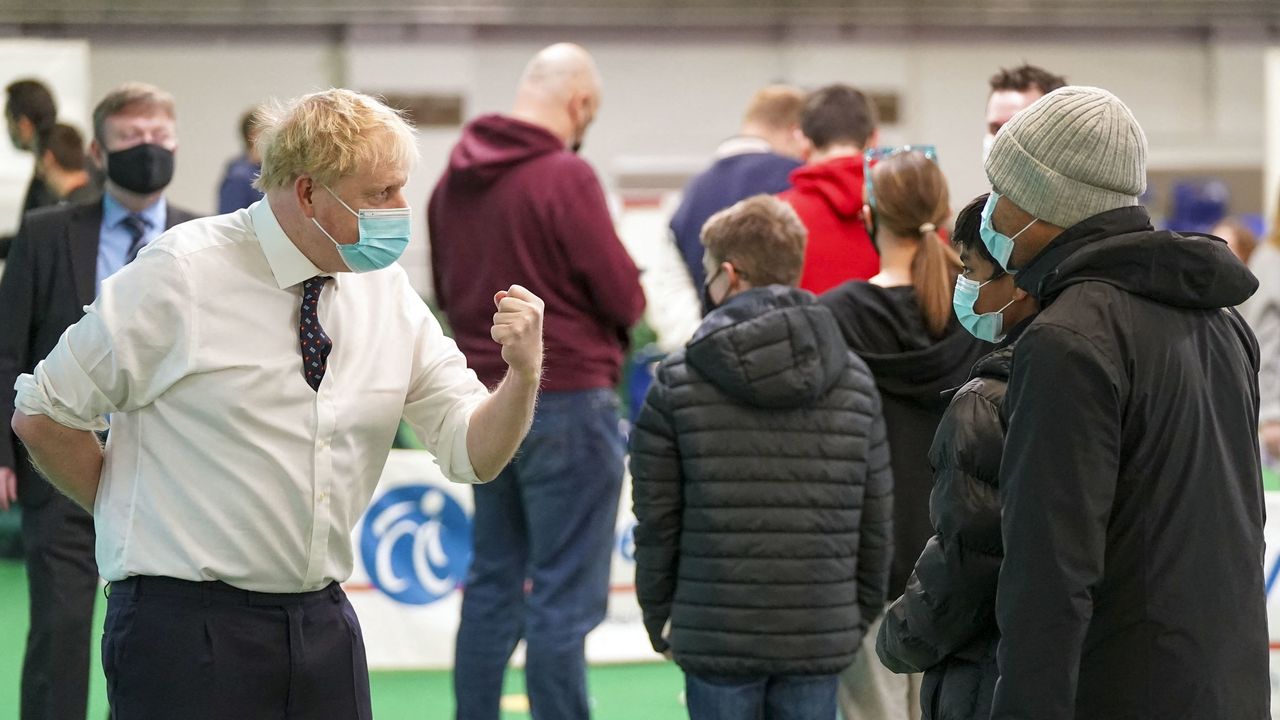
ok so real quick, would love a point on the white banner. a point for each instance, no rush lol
(1272, 576)
(412, 549)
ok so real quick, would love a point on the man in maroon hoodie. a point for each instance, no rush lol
(827, 192)
(518, 203)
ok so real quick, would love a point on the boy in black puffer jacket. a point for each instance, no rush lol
(945, 624)
(762, 485)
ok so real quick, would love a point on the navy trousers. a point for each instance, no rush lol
(62, 582)
(208, 651)
(544, 533)
(783, 697)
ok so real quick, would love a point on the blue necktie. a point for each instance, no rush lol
(315, 343)
(137, 227)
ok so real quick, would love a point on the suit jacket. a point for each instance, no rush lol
(39, 195)
(49, 277)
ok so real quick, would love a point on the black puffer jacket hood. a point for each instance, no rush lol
(798, 353)
(1121, 248)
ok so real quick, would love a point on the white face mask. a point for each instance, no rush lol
(988, 142)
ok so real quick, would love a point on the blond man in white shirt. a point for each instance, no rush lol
(254, 384)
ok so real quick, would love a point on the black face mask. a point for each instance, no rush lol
(707, 303)
(142, 169)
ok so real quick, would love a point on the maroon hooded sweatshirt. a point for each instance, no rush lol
(516, 207)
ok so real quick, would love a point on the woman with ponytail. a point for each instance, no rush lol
(901, 324)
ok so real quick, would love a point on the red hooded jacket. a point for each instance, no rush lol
(828, 198)
(516, 207)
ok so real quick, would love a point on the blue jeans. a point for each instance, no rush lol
(548, 520)
(781, 697)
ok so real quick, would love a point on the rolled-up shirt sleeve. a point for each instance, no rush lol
(132, 344)
(443, 395)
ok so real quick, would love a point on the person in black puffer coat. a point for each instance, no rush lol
(762, 486)
(945, 623)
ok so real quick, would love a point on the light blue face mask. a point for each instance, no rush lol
(998, 244)
(384, 234)
(987, 326)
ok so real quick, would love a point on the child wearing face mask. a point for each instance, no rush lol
(945, 625)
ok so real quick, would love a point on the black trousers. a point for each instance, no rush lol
(205, 651)
(62, 583)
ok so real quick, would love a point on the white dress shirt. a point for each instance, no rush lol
(223, 464)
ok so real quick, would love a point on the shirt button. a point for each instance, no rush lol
(324, 444)
(324, 497)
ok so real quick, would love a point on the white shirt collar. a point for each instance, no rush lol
(742, 145)
(287, 262)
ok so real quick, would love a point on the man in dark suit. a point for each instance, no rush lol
(59, 260)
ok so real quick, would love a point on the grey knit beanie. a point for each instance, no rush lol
(1072, 154)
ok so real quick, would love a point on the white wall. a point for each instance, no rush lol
(214, 78)
(671, 97)
(63, 66)
(1272, 143)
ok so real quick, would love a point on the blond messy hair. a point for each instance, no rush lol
(329, 135)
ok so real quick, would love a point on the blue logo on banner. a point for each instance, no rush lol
(416, 544)
(626, 543)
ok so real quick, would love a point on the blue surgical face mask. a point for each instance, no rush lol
(998, 244)
(384, 234)
(987, 326)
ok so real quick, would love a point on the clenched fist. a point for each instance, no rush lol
(517, 327)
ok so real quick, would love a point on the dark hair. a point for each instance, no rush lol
(762, 236)
(966, 236)
(32, 100)
(248, 125)
(912, 201)
(1027, 77)
(835, 114)
(67, 146)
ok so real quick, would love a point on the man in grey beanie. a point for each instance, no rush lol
(1132, 583)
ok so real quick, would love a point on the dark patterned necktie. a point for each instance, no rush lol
(137, 227)
(315, 343)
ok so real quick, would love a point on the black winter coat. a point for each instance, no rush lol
(762, 491)
(886, 328)
(1132, 583)
(945, 624)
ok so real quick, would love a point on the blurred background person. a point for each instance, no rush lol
(64, 167)
(1262, 312)
(944, 625)
(759, 159)
(839, 123)
(901, 323)
(1011, 91)
(59, 260)
(237, 190)
(518, 205)
(1239, 237)
(30, 113)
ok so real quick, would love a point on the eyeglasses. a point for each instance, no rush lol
(874, 155)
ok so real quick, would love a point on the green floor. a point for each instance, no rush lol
(625, 692)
